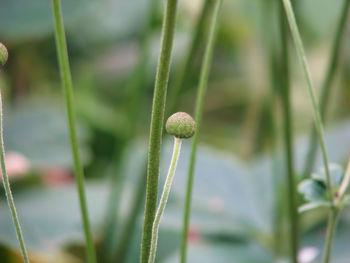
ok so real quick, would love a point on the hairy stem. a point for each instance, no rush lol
(327, 85)
(8, 192)
(164, 198)
(159, 99)
(66, 79)
(115, 247)
(198, 116)
(318, 122)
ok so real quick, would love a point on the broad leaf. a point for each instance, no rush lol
(336, 172)
(312, 190)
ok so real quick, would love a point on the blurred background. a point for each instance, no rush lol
(239, 203)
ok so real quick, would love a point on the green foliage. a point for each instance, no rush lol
(314, 190)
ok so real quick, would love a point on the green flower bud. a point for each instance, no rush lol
(181, 125)
(3, 54)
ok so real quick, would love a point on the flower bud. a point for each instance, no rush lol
(3, 54)
(181, 125)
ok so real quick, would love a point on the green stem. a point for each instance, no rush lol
(159, 99)
(288, 137)
(345, 183)
(198, 116)
(332, 224)
(185, 69)
(327, 85)
(133, 99)
(8, 192)
(68, 92)
(305, 67)
(164, 198)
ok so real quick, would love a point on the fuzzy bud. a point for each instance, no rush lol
(181, 125)
(3, 54)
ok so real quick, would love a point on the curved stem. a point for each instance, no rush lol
(198, 116)
(332, 224)
(8, 192)
(326, 86)
(159, 99)
(318, 122)
(164, 198)
(66, 79)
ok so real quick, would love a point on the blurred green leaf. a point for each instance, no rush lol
(208, 252)
(22, 20)
(38, 130)
(51, 217)
(312, 190)
(336, 172)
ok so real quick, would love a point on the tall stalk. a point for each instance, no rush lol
(158, 108)
(268, 21)
(305, 67)
(6, 181)
(288, 137)
(327, 85)
(185, 68)
(198, 116)
(318, 125)
(66, 80)
(116, 247)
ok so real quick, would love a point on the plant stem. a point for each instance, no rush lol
(114, 248)
(288, 137)
(318, 122)
(198, 116)
(68, 93)
(195, 44)
(332, 224)
(326, 86)
(164, 198)
(345, 183)
(8, 192)
(159, 99)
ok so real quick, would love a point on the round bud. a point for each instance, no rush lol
(3, 54)
(181, 125)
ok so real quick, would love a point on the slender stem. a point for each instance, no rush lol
(195, 44)
(198, 116)
(68, 92)
(159, 99)
(327, 85)
(345, 183)
(288, 137)
(332, 224)
(268, 20)
(8, 192)
(305, 67)
(164, 198)
(117, 248)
